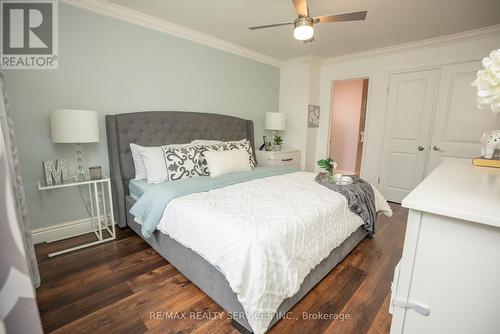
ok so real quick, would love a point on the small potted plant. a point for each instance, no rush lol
(329, 165)
(278, 141)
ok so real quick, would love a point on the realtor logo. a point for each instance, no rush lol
(29, 38)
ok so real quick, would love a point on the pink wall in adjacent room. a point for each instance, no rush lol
(346, 109)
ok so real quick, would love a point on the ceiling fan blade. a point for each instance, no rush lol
(270, 25)
(301, 8)
(353, 16)
(310, 40)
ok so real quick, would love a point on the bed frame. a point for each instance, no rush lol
(157, 128)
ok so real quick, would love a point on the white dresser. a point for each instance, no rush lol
(448, 279)
(277, 158)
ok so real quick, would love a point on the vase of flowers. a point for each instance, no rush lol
(488, 96)
(488, 83)
(329, 166)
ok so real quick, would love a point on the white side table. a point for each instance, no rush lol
(98, 207)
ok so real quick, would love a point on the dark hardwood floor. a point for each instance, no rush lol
(119, 287)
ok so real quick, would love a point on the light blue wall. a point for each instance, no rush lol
(113, 67)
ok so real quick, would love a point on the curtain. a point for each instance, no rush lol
(13, 169)
(18, 309)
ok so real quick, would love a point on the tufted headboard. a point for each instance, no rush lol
(155, 128)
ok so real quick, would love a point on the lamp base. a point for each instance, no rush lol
(79, 163)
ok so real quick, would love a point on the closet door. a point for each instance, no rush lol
(458, 124)
(410, 107)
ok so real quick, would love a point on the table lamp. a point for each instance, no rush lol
(75, 127)
(275, 121)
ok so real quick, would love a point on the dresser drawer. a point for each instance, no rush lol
(279, 158)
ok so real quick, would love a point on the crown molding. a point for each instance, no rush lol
(119, 12)
(300, 60)
(461, 37)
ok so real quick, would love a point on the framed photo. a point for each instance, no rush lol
(313, 116)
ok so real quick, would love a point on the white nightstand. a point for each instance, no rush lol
(99, 204)
(278, 158)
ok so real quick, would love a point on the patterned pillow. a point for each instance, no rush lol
(183, 162)
(242, 144)
(212, 148)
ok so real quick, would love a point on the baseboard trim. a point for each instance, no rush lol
(62, 231)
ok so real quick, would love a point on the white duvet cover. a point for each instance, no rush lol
(264, 235)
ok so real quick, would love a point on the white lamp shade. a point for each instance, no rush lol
(275, 121)
(74, 126)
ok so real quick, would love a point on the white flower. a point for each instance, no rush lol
(488, 83)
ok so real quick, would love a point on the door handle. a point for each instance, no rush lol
(418, 307)
(421, 148)
(437, 148)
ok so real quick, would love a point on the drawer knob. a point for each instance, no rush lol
(289, 159)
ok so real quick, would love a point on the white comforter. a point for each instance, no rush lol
(264, 235)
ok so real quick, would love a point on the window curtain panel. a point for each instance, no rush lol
(8, 142)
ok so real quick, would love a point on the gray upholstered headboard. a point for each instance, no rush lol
(155, 128)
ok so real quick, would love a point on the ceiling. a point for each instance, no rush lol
(389, 22)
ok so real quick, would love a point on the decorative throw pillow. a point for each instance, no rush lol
(225, 162)
(204, 142)
(183, 162)
(210, 148)
(154, 161)
(242, 144)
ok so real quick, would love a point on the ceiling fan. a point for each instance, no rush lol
(303, 25)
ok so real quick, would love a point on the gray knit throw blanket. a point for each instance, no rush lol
(360, 198)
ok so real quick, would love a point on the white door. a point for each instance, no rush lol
(459, 124)
(410, 107)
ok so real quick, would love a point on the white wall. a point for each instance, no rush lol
(376, 65)
(299, 87)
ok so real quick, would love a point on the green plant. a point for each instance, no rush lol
(278, 140)
(328, 164)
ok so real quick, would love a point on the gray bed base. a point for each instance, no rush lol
(159, 128)
(214, 284)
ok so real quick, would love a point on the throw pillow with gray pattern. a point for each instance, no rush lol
(183, 162)
(215, 147)
(242, 144)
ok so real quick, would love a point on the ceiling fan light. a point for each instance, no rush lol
(303, 28)
(303, 33)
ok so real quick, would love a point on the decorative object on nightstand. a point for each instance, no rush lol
(55, 172)
(278, 158)
(268, 144)
(75, 127)
(488, 96)
(275, 121)
(103, 221)
(95, 173)
(278, 141)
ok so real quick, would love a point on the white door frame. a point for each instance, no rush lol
(332, 80)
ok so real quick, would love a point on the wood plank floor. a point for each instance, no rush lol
(117, 286)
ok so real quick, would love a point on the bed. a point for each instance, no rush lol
(168, 127)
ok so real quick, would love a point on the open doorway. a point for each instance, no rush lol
(347, 128)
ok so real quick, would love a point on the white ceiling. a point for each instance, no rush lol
(389, 22)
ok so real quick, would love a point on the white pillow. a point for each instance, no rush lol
(225, 162)
(242, 144)
(203, 142)
(140, 168)
(154, 161)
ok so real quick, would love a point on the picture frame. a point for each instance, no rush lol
(313, 116)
